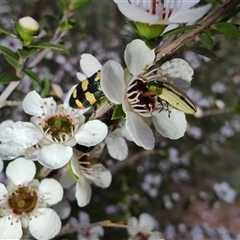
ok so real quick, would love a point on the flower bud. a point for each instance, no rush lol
(28, 29)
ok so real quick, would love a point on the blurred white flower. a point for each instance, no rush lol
(225, 192)
(87, 233)
(180, 175)
(167, 202)
(24, 203)
(197, 233)
(218, 87)
(151, 184)
(194, 132)
(170, 232)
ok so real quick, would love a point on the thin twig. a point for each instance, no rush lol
(191, 34)
(107, 223)
(130, 160)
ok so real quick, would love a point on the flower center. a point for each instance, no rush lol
(23, 200)
(141, 100)
(59, 127)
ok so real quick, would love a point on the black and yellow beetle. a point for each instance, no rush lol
(173, 96)
(87, 92)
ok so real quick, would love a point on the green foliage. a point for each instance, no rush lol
(206, 39)
(178, 30)
(202, 51)
(228, 29)
(6, 30)
(32, 75)
(46, 45)
(25, 53)
(118, 112)
(6, 78)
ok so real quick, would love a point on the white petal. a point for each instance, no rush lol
(63, 209)
(91, 133)
(21, 171)
(89, 64)
(136, 14)
(83, 191)
(1, 165)
(186, 4)
(23, 134)
(80, 76)
(177, 68)
(3, 192)
(5, 124)
(146, 221)
(190, 15)
(117, 146)
(140, 132)
(112, 81)
(104, 176)
(34, 105)
(65, 178)
(137, 56)
(51, 190)
(46, 225)
(132, 221)
(55, 156)
(10, 151)
(172, 127)
(10, 228)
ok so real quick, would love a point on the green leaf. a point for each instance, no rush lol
(206, 39)
(32, 75)
(77, 4)
(46, 88)
(64, 5)
(202, 51)
(226, 28)
(52, 17)
(7, 52)
(6, 30)
(44, 45)
(72, 24)
(12, 61)
(23, 53)
(7, 78)
(178, 30)
(118, 112)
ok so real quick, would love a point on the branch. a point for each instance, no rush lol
(191, 34)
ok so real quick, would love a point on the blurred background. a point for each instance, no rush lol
(191, 185)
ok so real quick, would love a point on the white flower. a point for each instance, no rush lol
(162, 12)
(145, 221)
(116, 143)
(29, 23)
(86, 233)
(87, 173)
(129, 89)
(225, 192)
(151, 184)
(24, 203)
(55, 130)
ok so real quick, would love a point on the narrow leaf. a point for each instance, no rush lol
(6, 30)
(32, 75)
(43, 45)
(12, 61)
(8, 52)
(26, 53)
(7, 78)
(64, 5)
(77, 3)
(46, 87)
(206, 39)
(177, 30)
(226, 28)
(202, 51)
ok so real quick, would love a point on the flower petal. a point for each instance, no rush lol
(190, 15)
(146, 221)
(140, 132)
(89, 64)
(137, 56)
(3, 192)
(55, 156)
(51, 190)
(91, 133)
(63, 209)
(10, 228)
(134, 13)
(46, 225)
(1, 165)
(172, 127)
(21, 171)
(112, 81)
(132, 221)
(34, 105)
(117, 146)
(104, 176)
(23, 134)
(83, 191)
